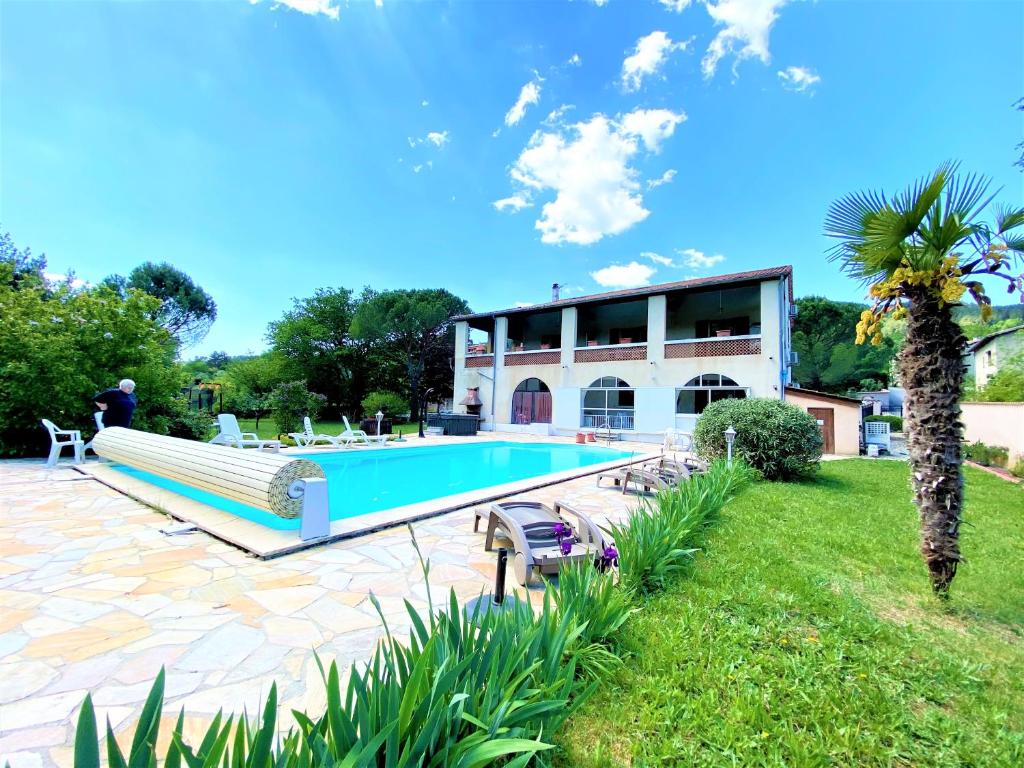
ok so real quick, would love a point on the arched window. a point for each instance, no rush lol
(707, 388)
(608, 402)
(531, 403)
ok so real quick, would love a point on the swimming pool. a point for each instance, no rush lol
(363, 481)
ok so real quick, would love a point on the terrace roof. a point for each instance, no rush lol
(755, 275)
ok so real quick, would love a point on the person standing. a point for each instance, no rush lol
(118, 404)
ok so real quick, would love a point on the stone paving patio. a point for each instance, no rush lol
(94, 598)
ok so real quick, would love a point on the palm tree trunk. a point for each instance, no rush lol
(932, 373)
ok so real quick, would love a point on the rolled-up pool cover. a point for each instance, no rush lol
(251, 477)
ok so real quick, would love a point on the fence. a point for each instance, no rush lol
(1000, 424)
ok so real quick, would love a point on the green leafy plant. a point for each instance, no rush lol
(895, 422)
(986, 455)
(662, 535)
(778, 439)
(290, 402)
(388, 403)
(1017, 470)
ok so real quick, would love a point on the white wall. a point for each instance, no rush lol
(655, 379)
(999, 424)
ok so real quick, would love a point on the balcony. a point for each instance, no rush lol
(480, 343)
(713, 323)
(534, 338)
(611, 332)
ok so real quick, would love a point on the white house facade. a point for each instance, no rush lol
(637, 361)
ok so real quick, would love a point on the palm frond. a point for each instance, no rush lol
(1008, 218)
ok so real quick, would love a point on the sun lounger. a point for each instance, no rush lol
(531, 528)
(646, 479)
(683, 467)
(232, 435)
(350, 436)
(307, 438)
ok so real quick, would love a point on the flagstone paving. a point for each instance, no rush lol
(94, 598)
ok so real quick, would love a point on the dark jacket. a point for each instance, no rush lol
(120, 407)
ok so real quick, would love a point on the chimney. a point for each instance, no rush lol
(554, 291)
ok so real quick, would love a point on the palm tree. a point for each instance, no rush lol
(920, 252)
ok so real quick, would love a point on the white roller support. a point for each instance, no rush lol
(278, 484)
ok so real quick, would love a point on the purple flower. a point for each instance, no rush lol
(566, 545)
(609, 557)
(561, 530)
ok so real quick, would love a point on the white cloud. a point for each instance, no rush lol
(424, 103)
(746, 25)
(695, 259)
(529, 94)
(328, 8)
(798, 78)
(657, 258)
(650, 54)
(428, 166)
(599, 3)
(556, 115)
(630, 275)
(437, 138)
(587, 167)
(55, 280)
(575, 60)
(516, 202)
(379, 3)
(652, 125)
(665, 178)
(677, 6)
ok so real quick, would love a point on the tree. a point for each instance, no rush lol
(20, 269)
(829, 360)
(917, 251)
(61, 346)
(415, 323)
(248, 383)
(185, 310)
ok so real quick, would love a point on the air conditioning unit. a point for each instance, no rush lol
(794, 358)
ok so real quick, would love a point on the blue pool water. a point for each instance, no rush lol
(362, 481)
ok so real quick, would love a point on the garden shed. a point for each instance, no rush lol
(838, 418)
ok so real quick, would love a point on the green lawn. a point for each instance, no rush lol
(807, 636)
(268, 429)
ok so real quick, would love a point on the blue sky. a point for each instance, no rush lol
(490, 148)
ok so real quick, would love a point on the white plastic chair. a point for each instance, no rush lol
(307, 438)
(232, 434)
(353, 435)
(98, 418)
(73, 439)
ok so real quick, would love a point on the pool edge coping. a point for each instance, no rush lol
(213, 521)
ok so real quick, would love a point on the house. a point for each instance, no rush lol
(638, 361)
(838, 417)
(983, 356)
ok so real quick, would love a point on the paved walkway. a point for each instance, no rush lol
(94, 598)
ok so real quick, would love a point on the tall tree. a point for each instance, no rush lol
(186, 310)
(829, 360)
(20, 268)
(415, 323)
(919, 251)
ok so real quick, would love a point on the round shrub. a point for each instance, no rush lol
(388, 403)
(779, 440)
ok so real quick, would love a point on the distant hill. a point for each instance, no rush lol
(1001, 312)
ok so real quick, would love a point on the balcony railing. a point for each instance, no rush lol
(720, 346)
(534, 357)
(610, 353)
(479, 361)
